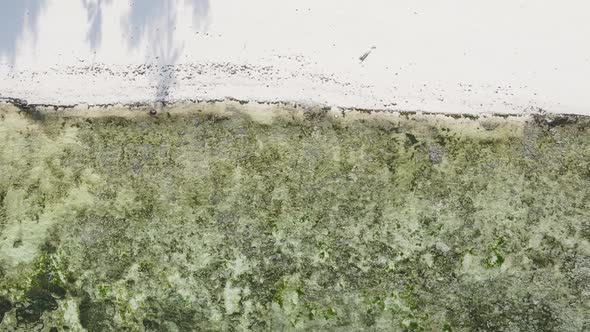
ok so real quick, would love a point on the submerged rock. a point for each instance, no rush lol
(5, 306)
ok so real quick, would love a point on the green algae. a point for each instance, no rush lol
(229, 217)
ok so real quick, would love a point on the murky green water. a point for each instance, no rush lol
(221, 217)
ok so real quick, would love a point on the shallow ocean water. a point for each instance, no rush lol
(221, 216)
